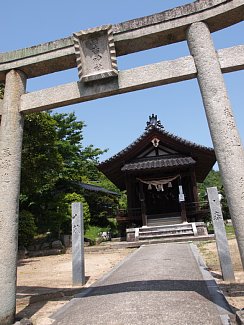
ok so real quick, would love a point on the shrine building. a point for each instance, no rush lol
(160, 172)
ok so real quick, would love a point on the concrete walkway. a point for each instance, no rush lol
(163, 284)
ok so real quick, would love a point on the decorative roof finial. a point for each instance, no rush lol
(154, 122)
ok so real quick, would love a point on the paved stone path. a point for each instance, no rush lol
(158, 284)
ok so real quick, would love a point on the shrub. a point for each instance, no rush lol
(27, 228)
(68, 199)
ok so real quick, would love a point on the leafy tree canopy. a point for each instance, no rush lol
(53, 162)
(214, 179)
(42, 161)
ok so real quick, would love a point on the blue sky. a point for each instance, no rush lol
(116, 121)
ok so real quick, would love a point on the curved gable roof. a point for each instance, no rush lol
(204, 156)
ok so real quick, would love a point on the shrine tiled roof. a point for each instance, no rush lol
(159, 163)
(163, 132)
(158, 150)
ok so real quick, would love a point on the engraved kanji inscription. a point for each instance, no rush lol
(93, 46)
(95, 54)
(217, 215)
(76, 229)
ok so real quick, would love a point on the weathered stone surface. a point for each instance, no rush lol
(240, 317)
(57, 244)
(220, 235)
(224, 133)
(170, 26)
(24, 321)
(231, 59)
(131, 234)
(95, 53)
(152, 75)
(78, 264)
(22, 253)
(45, 246)
(201, 229)
(34, 66)
(11, 131)
(128, 80)
(195, 7)
(132, 36)
(67, 240)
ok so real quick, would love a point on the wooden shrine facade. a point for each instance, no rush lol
(159, 172)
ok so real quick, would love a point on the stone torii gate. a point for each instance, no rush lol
(94, 52)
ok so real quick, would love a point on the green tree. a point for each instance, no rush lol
(68, 143)
(102, 207)
(27, 228)
(68, 199)
(53, 162)
(42, 162)
(214, 180)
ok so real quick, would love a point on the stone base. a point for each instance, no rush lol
(131, 234)
(202, 229)
(240, 317)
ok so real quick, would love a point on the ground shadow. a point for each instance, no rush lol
(233, 289)
(33, 307)
(23, 262)
(37, 297)
(38, 291)
(216, 275)
(199, 286)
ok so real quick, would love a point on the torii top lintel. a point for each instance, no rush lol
(135, 35)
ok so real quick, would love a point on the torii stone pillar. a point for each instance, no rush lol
(225, 137)
(11, 134)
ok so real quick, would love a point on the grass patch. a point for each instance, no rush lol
(230, 231)
(228, 228)
(209, 252)
(93, 233)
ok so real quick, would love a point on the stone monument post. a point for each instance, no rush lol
(220, 235)
(11, 134)
(78, 264)
(225, 137)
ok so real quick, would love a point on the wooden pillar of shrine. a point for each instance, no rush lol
(143, 205)
(182, 202)
(129, 193)
(195, 203)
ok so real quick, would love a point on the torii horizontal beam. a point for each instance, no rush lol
(165, 72)
(132, 36)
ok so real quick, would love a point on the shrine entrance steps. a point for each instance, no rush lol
(157, 221)
(179, 230)
(183, 229)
